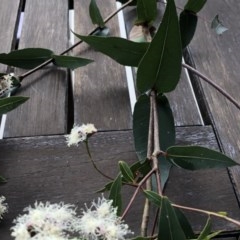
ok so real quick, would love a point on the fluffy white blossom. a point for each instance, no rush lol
(45, 222)
(3, 206)
(100, 221)
(6, 83)
(80, 133)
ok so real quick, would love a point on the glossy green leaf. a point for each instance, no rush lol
(218, 26)
(126, 171)
(163, 55)
(95, 14)
(195, 5)
(195, 157)
(186, 226)
(121, 50)
(26, 58)
(115, 194)
(153, 197)
(166, 130)
(169, 227)
(146, 11)
(188, 24)
(10, 103)
(70, 62)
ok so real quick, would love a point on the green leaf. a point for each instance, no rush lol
(195, 5)
(126, 171)
(70, 62)
(146, 11)
(141, 169)
(169, 226)
(163, 55)
(166, 130)
(140, 126)
(186, 226)
(95, 14)
(8, 104)
(218, 26)
(115, 194)
(107, 187)
(206, 230)
(153, 197)
(141, 238)
(188, 24)
(26, 58)
(195, 157)
(121, 50)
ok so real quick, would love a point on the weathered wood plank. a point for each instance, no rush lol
(9, 15)
(45, 25)
(182, 99)
(44, 168)
(100, 89)
(217, 57)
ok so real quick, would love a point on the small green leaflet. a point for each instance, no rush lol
(2, 179)
(218, 26)
(121, 50)
(126, 171)
(146, 11)
(95, 14)
(195, 5)
(163, 55)
(26, 58)
(153, 197)
(196, 157)
(9, 103)
(70, 62)
(115, 194)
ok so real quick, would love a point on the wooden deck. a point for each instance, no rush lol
(34, 157)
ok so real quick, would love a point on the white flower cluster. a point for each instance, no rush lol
(6, 82)
(100, 221)
(45, 221)
(80, 133)
(59, 221)
(3, 206)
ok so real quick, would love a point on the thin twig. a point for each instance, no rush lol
(21, 77)
(94, 164)
(217, 87)
(136, 192)
(156, 150)
(208, 213)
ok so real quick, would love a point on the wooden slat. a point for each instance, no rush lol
(9, 14)
(182, 100)
(44, 168)
(45, 25)
(100, 88)
(218, 57)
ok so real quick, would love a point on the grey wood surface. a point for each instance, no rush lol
(45, 25)
(218, 57)
(182, 100)
(100, 88)
(44, 168)
(9, 16)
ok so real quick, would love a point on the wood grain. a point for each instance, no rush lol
(182, 100)
(217, 57)
(9, 16)
(44, 168)
(45, 25)
(100, 88)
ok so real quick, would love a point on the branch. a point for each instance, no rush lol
(21, 77)
(208, 213)
(217, 87)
